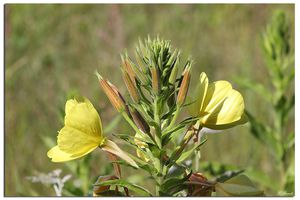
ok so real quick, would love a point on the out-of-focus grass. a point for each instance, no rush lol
(51, 50)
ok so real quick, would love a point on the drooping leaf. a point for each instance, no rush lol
(239, 185)
(228, 175)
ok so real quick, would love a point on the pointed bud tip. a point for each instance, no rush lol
(98, 75)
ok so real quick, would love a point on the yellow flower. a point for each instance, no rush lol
(142, 145)
(82, 134)
(218, 105)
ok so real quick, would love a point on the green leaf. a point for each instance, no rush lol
(176, 171)
(130, 139)
(174, 184)
(186, 154)
(180, 125)
(228, 175)
(142, 164)
(168, 135)
(123, 183)
(239, 185)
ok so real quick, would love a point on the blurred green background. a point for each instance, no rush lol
(53, 50)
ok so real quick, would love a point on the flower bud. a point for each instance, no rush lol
(112, 93)
(172, 58)
(155, 80)
(127, 67)
(174, 71)
(140, 75)
(184, 86)
(140, 121)
(133, 71)
(131, 87)
(140, 62)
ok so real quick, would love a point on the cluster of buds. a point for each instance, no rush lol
(157, 93)
(151, 79)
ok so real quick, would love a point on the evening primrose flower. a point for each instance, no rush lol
(218, 105)
(82, 134)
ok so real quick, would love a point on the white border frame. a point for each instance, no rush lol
(297, 75)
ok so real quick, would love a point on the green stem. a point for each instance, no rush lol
(197, 158)
(281, 159)
(159, 140)
(188, 136)
(156, 113)
(157, 124)
(157, 190)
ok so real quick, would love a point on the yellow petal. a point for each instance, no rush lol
(202, 90)
(216, 92)
(83, 116)
(228, 113)
(241, 121)
(232, 109)
(69, 105)
(58, 155)
(113, 148)
(74, 141)
(81, 134)
(212, 114)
